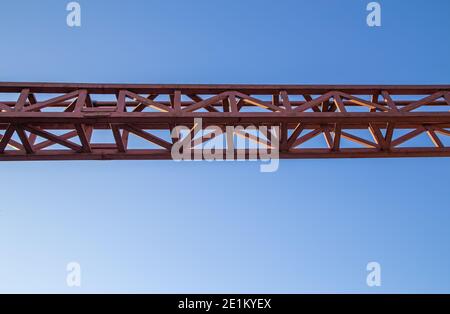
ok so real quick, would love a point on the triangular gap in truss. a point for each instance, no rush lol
(418, 103)
(162, 98)
(357, 138)
(247, 108)
(162, 134)
(244, 142)
(437, 108)
(137, 142)
(55, 147)
(360, 103)
(11, 148)
(257, 103)
(15, 137)
(269, 131)
(314, 101)
(440, 104)
(54, 105)
(362, 133)
(217, 106)
(206, 135)
(399, 134)
(352, 105)
(264, 99)
(254, 131)
(14, 143)
(421, 140)
(252, 138)
(444, 137)
(367, 97)
(356, 108)
(347, 143)
(319, 109)
(219, 109)
(7, 101)
(318, 141)
(160, 138)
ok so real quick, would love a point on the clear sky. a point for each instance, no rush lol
(162, 226)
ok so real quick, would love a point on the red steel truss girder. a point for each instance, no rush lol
(28, 112)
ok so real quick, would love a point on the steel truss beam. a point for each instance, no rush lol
(56, 121)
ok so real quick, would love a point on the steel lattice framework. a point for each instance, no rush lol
(56, 121)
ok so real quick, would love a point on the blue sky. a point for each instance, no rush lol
(162, 226)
